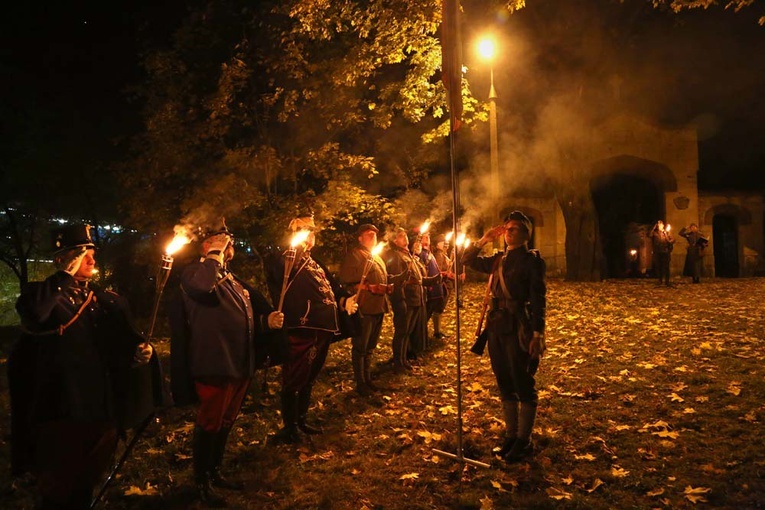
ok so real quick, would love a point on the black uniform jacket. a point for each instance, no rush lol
(216, 323)
(524, 274)
(80, 372)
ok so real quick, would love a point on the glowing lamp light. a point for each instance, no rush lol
(487, 49)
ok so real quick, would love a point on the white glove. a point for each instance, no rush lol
(71, 261)
(351, 306)
(275, 320)
(143, 352)
(217, 247)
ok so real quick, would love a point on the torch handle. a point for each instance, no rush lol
(289, 262)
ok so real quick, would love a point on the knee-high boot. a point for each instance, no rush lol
(304, 402)
(523, 446)
(289, 433)
(510, 413)
(219, 449)
(368, 373)
(362, 387)
(203, 455)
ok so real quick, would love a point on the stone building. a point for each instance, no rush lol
(639, 174)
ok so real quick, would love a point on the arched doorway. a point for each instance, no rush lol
(725, 239)
(623, 202)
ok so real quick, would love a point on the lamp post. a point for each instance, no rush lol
(487, 50)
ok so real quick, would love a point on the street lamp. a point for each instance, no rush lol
(487, 50)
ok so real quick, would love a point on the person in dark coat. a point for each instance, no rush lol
(694, 257)
(663, 243)
(216, 354)
(515, 326)
(407, 298)
(70, 372)
(435, 299)
(310, 304)
(372, 301)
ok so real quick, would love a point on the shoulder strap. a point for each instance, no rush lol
(60, 330)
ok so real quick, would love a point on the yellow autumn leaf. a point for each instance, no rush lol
(568, 480)
(446, 410)
(597, 483)
(667, 433)
(487, 503)
(689, 410)
(619, 472)
(150, 490)
(497, 486)
(558, 494)
(654, 493)
(587, 456)
(410, 476)
(734, 388)
(676, 398)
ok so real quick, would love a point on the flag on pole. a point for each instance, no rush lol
(451, 59)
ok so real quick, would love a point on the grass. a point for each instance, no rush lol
(651, 397)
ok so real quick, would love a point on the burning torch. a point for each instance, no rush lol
(180, 240)
(423, 230)
(298, 238)
(375, 252)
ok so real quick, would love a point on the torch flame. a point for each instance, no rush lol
(460, 239)
(467, 242)
(425, 226)
(378, 249)
(299, 238)
(178, 242)
(668, 227)
(633, 252)
(449, 236)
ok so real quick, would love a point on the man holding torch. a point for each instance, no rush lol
(70, 373)
(214, 350)
(365, 271)
(515, 326)
(310, 302)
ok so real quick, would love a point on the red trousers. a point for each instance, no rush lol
(220, 400)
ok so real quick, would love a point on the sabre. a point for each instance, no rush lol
(298, 238)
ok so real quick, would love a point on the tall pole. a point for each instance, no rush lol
(494, 157)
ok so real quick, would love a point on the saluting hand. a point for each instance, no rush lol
(275, 320)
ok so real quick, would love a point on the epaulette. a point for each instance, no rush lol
(536, 253)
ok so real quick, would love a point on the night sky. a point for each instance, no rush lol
(70, 66)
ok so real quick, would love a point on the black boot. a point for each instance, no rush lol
(289, 433)
(304, 402)
(523, 447)
(510, 413)
(219, 448)
(362, 388)
(203, 454)
(368, 373)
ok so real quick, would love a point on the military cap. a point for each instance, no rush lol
(365, 227)
(72, 236)
(303, 222)
(520, 217)
(214, 230)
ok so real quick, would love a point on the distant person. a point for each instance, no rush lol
(694, 257)
(445, 266)
(70, 375)
(515, 326)
(435, 300)
(663, 243)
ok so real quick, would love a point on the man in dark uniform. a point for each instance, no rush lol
(214, 353)
(435, 299)
(407, 297)
(444, 265)
(311, 319)
(694, 257)
(663, 242)
(515, 326)
(69, 371)
(372, 301)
